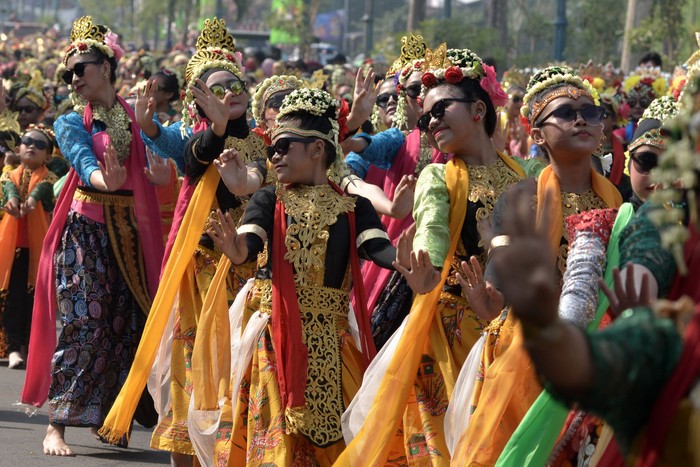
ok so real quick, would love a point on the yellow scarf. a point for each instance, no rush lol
(371, 444)
(116, 425)
(548, 185)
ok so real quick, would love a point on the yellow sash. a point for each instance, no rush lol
(118, 421)
(371, 445)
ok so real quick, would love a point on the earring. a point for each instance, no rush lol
(476, 117)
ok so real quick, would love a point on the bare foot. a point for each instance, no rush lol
(54, 444)
(93, 432)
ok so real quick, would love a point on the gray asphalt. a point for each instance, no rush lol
(21, 436)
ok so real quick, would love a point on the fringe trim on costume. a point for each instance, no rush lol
(295, 418)
(113, 437)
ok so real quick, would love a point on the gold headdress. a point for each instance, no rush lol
(33, 91)
(661, 110)
(87, 35)
(318, 79)
(270, 86)
(216, 48)
(45, 130)
(10, 126)
(564, 82)
(413, 48)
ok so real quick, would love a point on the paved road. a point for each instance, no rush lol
(21, 436)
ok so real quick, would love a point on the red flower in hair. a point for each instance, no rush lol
(417, 65)
(82, 46)
(429, 80)
(217, 51)
(343, 113)
(230, 58)
(399, 87)
(453, 75)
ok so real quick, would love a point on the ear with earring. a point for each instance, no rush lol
(476, 117)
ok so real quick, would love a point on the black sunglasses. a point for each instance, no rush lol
(383, 99)
(79, 70)
(642, 102)
(275, 102)
(413, 91)
(437, 112)
(281, 146)
(644, 162)
(237, 87)
(592, 114)
(39, 144)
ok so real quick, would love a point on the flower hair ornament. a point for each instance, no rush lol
(321, 104)
(646, 82)
(453, 65)
(679, 162)
(663, 109)
(413, 49)
(45, 130)
(215, 49)
(270, 86)
(550, 83)
(86, 36)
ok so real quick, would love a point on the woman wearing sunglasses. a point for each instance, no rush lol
(304, 365)
(267, 100)
(213, 122)
(29, 194)
(94, 268)
(566, 122)
(399, 412)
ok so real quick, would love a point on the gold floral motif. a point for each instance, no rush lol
(324, 314)
(23, 187)
(313, 210)
(426, 154)
(486, 184)
(250, 148)
(118, 128)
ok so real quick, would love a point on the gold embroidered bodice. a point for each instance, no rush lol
(118, 128)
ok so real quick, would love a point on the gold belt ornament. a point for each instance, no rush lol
(125, 200)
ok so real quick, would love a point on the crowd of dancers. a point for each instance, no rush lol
(415, 266)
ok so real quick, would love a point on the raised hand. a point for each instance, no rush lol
(416, 267)
(145, 105)
(233, 171)
(625, 294)
(158, 171)
(216, 110)
(226, 239)
(113, 174)
(525, 265)
(402, 204)
(485, 299)
(364, 97)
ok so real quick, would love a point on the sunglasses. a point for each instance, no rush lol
(27, 109)
(237, 87)
(281, 146)
(275, 102)
(642, 102)
(79, 70)
(383, 99)
(413, 91)
(437, 112)
(39, 144)
(644, 162)
(592, 114)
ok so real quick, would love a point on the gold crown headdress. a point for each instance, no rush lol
(270, 86)
(318, 79)
(33, 91)
(216, 48)
(663, 109)
(87, 35)
(10, 124)
(564, 82)
(413, 47)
